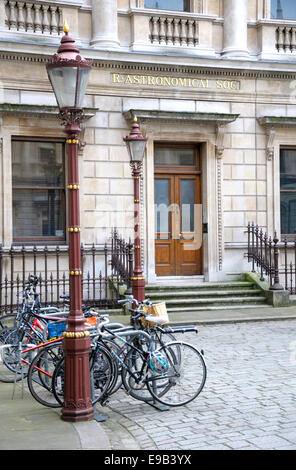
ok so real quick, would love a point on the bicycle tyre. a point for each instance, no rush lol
(10, 370)
(101, 368)
(40, 374)
(181, 379)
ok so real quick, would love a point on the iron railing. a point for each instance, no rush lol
(105, 268)
(272, 258)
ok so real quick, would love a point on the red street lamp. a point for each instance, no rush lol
(68, 73)
(136, 145)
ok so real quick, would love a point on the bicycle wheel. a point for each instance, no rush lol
(7, 324)
(134, 376)
(14, 364)
(40, 374)
(101, 371)
(177, 374)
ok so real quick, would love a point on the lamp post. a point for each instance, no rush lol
(136, 145)
(68, 73)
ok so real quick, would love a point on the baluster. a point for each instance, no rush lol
(280, 43)
(1, 259)
(45, 20)
(37, 19)
(60, 21)
(287, 41)
(294, 291)
(45, 270)
(190, 33)
(155, 30)
(261, 255)
(270, 260)
(5, 293)
(253, 246)
(17, 290)
(162, 32)
(265, 253)
(196, 33)
(21, 19)
(51, 287)
(29, 21)
(183, 35)
(286, 262)
(94, 270)
(291, 278)
(169, 22)
(11, 253)
(293, 39)
(53, 21)
(276, 285)
(176, 34)
(12, 16)
(58, 274)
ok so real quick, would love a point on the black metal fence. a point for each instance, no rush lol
(105, 269)
(272, 258)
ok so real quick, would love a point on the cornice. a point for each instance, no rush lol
(134, 63)
(215, 118)
(39, 111)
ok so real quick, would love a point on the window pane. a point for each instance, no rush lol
(288, 213)
(187, 205)
(178, 5)
(174, 157)
(37, 213)
(288, 169)
(283, 9)
(37, 164)
(162, 206)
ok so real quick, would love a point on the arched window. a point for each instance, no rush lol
(177, 5)
(283, 9)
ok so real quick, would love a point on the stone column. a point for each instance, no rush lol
(105, 24)
(235, 34)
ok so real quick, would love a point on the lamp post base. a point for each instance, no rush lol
(77, 392)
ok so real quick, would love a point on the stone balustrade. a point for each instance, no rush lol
(285, 39)
(174, 31)
(34, 17)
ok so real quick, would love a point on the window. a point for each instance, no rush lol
(178, 5)
(38, 190)
(283, 9)
(288, 190)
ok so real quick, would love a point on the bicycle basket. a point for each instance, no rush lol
(56, 330)
(157, 310)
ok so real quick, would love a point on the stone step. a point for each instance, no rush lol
(202, 293)
(217, 307)
(201, 286)
(182, 303)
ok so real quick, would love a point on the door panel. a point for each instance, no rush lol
(178, 222)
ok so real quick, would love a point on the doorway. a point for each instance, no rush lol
(178, 210)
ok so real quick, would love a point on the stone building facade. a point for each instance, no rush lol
(213, 85)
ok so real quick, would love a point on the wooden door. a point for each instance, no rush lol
(178, 221)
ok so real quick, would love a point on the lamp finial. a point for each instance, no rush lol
(66, 28)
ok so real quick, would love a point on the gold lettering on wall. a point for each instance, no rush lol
(176, 82)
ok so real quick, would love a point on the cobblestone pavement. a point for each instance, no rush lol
(248, 403)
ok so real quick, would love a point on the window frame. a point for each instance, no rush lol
(189, 10)
(288, 236)
(49, 240)
(276, 18)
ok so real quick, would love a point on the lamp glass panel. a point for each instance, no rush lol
(136, 149)
(82, 85)
(63, 80)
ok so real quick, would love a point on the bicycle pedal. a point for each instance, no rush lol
(202, 352)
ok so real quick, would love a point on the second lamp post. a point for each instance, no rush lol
(136, 145)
